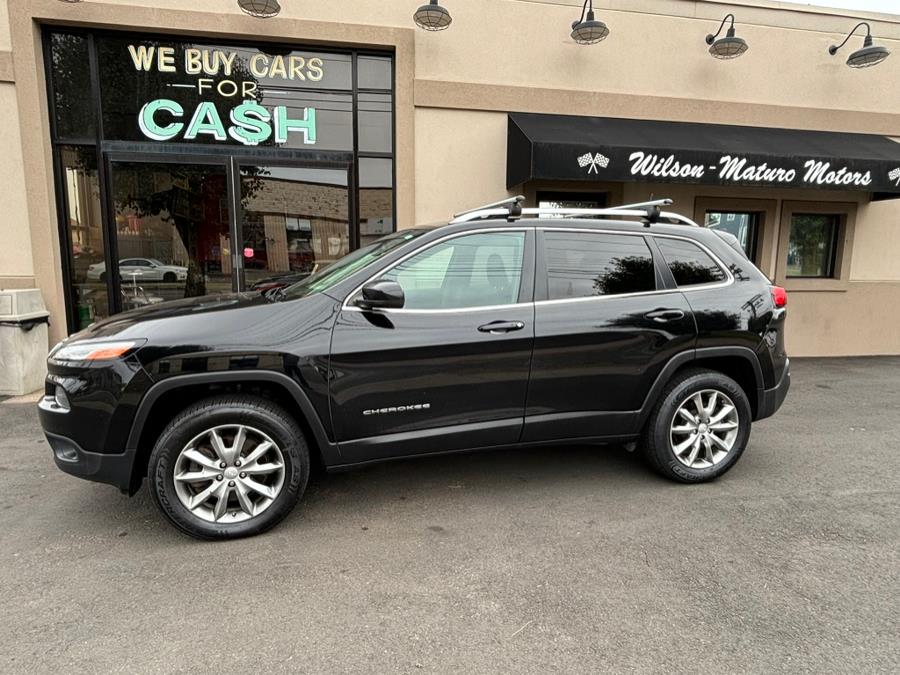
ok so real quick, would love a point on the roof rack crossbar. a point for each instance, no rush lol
(511, 208)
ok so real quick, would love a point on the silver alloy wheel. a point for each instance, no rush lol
(229, 473)
(704, 429)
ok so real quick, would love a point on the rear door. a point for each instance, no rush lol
(450, 369)
(606, 323)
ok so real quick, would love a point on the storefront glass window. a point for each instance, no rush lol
(812, 246)
(743, 225)
(224, 167)
(295, 222)
(84, 223)
(376, 199)
(375, 72)
(172, 231)
(72, 103)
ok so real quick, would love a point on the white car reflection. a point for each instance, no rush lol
(146, 269)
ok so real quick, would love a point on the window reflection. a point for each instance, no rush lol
(688, 263)
(812, 245)
(295, 221)
(742, 224)
(85, 228)
(376, 199)
(586, 264)
(171, 230)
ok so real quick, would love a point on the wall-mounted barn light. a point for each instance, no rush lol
(432, 16)
(587, 30)
(868, 55)
(728, 47)
(261, 9)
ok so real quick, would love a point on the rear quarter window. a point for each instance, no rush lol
(689, 264)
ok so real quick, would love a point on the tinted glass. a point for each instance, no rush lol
(374, 72)
(375, 123)
(475, 270)
(690, 265)
(743, 225)
(351, 263)
(812, 245)
(172, 91)
(295, 221)
(585, 264)
(85, 231)
(376, 198)
(171, 231)
(71, 78)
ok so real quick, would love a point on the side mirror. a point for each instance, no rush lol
(381, 294)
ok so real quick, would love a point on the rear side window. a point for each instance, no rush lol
(585, 264)
(690, 264)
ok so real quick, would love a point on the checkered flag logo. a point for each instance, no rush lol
(893, 175)
(593, 161)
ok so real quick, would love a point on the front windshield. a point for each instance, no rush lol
(323, 279)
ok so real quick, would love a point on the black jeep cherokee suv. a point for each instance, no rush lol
(499, 329)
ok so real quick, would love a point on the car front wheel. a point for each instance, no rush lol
(699, 428)
(228, 467)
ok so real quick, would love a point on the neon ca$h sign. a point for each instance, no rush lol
(248, 122)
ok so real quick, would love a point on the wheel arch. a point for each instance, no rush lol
(169, 396)
(739, 363)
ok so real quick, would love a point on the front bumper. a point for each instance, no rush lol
(770, 400)
(111, 469)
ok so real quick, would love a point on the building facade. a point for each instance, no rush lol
(156, 150)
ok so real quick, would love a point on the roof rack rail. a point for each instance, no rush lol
(511, 209)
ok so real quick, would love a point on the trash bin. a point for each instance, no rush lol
(23, 341)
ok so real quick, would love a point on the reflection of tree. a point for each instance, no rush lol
(809, 243)
(626, 275)
(687, 272)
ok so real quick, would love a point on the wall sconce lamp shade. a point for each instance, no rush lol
(728, 47)
(587, 30)
(261, 9)
(869, 55)
(432, 17)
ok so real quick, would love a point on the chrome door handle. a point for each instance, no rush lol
(664, 315)
(497, 327)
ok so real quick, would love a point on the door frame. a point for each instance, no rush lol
(230, 158)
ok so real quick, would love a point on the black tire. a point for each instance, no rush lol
(169, 277)
(102, 276)
(252, 411)
(657, 442)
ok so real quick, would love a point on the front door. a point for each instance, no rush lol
(605, 326)
(450, 369)
(171, 235)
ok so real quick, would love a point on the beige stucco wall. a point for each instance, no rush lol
(16, 267)
(454, 88)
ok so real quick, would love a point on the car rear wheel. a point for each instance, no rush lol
(228, 467)
(699, 428)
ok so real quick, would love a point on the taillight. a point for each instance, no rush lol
(779, 296)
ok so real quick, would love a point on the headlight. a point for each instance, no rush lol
(94, 351)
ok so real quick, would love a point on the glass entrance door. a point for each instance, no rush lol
(294, 220)
(171, 231)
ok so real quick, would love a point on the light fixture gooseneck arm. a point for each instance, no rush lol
(588, 9)
(711, 38)
(833, 48)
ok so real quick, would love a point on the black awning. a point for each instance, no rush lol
(562, 147)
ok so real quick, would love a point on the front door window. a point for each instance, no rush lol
(476, 270)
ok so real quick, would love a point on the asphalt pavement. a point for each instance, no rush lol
(556, 559)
